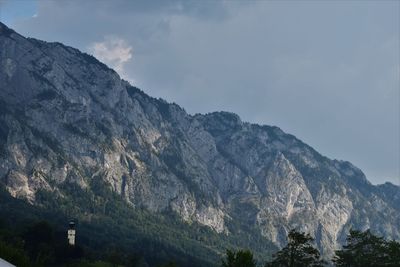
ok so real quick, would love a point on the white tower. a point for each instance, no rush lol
(71, 233)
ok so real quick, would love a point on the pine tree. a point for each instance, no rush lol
(364, 249)
(299, 252)
(241, 258)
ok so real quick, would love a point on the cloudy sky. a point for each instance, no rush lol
(325, 71)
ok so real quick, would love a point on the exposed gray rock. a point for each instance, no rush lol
(67, 118)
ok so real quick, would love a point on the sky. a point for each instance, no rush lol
(324, 71)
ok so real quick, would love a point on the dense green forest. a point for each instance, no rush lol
(109, 230)
(111, 233)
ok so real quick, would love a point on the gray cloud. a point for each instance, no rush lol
(327, 72)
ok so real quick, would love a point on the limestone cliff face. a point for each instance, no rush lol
(67, 118)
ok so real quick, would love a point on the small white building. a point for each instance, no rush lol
(71, 233)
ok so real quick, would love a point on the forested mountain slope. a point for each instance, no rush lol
(67, 120)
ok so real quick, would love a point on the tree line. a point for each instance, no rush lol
(362, 249)
(40, 245)
(123, 237)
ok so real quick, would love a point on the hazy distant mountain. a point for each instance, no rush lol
(66, 118)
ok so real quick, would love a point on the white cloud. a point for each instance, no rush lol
(114, 52)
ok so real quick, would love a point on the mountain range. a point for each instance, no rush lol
(68, 119)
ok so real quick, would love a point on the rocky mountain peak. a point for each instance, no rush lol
(66, 118)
